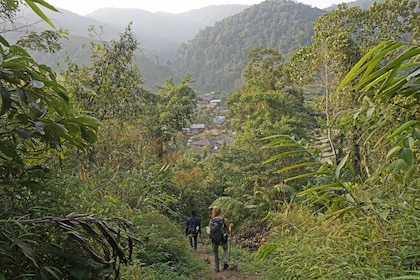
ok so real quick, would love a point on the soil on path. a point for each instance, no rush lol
(231, 273)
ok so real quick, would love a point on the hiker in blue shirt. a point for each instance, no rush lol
(193, 229)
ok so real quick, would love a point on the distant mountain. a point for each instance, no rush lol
(212, 43)
(217, 55)
(160, 33)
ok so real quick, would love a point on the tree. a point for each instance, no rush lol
(111, 88)
(340, 39)
(388, 114)
(388, 78)
(37, 122)
(267, 104)
(36, 114)
(172, 108)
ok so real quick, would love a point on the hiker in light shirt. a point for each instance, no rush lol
(219, 230)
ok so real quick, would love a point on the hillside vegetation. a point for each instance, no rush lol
(98, 173)
(217, 55)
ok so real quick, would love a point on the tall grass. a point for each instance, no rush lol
(363, 245)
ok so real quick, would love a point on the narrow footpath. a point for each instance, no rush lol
(204, 252)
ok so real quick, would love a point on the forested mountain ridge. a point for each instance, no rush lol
(214, 54)
(218, 54)
(160, 33)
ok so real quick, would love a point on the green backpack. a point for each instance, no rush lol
(217, 231)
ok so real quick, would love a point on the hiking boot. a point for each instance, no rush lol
(225, 266)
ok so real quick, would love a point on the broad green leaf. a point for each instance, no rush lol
(410, 143)
(370, 111)
(410, 173)
(89, 135)
(88, 120)
(407, 155)
(8, 149)
(400, 164)
(39, 127)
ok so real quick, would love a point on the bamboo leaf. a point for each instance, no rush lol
(341, 165)
(281, 155)
(11, 3)
(393, 151)
(300, 165)
(322, 187)
(368, 77)
(39, 12)
(301, 176)
(53, 272)
(343, 211)
(403, 128)
(406, 277)
(359, 67)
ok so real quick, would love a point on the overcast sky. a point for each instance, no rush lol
(83, 7)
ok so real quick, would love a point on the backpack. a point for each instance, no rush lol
(192, 229)
(217, 233)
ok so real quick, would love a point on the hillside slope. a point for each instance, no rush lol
(161, 33)
(218, 54)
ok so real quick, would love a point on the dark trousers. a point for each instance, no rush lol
(193, 240)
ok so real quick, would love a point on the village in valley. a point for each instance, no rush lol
(212, 135)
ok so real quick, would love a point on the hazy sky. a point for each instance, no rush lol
(84, 7)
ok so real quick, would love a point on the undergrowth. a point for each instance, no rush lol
(361, 245)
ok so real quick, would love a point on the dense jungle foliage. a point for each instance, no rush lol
(97, 178)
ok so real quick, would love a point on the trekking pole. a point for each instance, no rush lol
(230, 239)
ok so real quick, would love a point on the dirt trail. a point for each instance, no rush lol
(231, 273)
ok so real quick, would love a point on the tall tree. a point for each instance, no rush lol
(340, 39)
(267, 104)
(36, 114)
(170, 110)
(111, 87)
